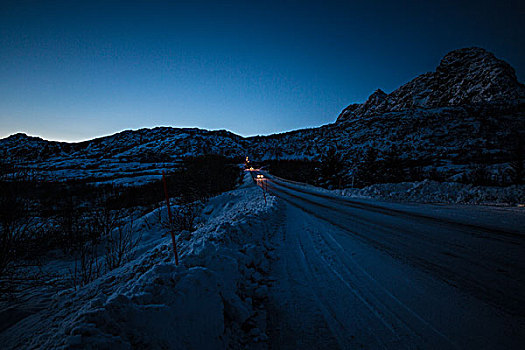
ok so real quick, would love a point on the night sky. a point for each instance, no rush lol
(75, 70)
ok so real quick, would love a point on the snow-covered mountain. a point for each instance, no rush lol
(469, 113)
(468, 76)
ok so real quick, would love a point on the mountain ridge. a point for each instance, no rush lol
(463, 76)
(469, 112)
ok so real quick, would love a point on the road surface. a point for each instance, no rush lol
(356, 273)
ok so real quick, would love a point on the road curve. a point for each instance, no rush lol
(361, 273)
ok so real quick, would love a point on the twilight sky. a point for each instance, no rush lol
(74, 70)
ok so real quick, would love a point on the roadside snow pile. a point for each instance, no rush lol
(213, 299)
(428, 191)
(441, 192)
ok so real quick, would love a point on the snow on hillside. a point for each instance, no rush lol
(464, 77)
(213, 299)
(469, 113)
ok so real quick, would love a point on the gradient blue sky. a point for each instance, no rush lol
(74, 70)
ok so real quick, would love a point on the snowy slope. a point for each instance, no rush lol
(211, 300)
(309, 269)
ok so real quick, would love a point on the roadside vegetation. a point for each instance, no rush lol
(374, 166)
(91, 224)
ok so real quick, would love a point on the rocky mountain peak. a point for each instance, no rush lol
(465, 57)
(378, 94)
(474, 75)
(21, 138)
(464, 76)
(375, 102)
(18, 136)
(376, 98)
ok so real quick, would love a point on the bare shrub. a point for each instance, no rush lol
(119, 240)
(70, 226)
(119, 245)
(183, 217)
(17, 224)
(103, 221)
(11, 235)
(87, 266)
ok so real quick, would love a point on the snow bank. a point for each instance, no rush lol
(213, 299)
(442, 192)
(428, 191)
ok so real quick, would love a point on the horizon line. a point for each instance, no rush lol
(160, 126)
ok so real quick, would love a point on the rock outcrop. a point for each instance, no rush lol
(469, 76)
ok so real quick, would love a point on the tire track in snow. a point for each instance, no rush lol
(354, 272)
(378, 317)
(469, 268)
(517, 238)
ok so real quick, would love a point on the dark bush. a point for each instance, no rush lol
(297, 170)
(331, 169)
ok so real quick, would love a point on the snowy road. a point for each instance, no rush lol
(360, 273)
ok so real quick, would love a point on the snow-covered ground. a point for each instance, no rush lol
(309, 269)
(213, 299)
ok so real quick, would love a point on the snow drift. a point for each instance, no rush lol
(213, 299)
